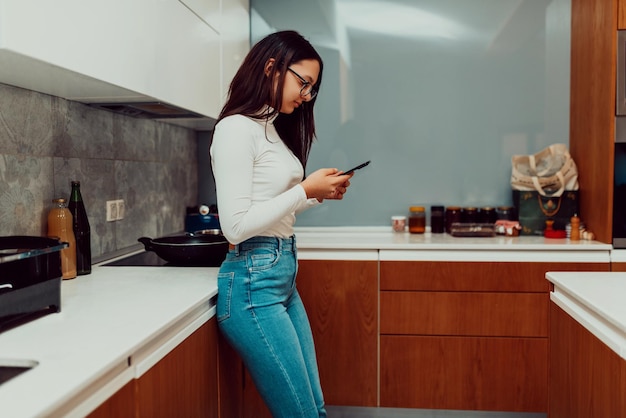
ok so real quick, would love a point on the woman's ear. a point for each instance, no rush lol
(268, 66)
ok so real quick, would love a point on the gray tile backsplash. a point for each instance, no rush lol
(46, 141)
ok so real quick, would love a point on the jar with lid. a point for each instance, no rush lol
(453, 215)
(60, 226)
(487, 215)
(469, 215)
(436, 219)
(417, 220)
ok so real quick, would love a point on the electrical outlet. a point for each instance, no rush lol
(112, 210)
(121, 209)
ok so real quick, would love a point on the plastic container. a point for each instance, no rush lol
(60, 226)
(417, 220)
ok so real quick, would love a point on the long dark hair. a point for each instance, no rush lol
(252, 89)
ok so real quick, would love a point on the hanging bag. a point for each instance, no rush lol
(545, 186)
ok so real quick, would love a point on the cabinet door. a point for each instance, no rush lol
(464, 313)
(341, 299)
(184, 382)
(473, 373)
(121, 404)
(587, 378)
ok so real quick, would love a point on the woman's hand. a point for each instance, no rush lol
(326, 183)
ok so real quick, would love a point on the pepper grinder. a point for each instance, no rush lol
(575, 231)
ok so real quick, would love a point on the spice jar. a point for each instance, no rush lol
(436, 219)
(469, 215)
(398, 223)
(453, 215)
(417, 220)
(487, 215)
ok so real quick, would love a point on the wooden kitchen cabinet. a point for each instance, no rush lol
(341, 299)
(587, 378)
(122, 404)
(466, 335)
(182, 384)
(592, 108)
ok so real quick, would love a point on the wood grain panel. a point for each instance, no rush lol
(184, 382)
(491, 374)
(618, 266)
(121, 404)
(587, 379)
(341, 298)
(474, 276)
(621, 14)
(464, 313)
(592, 109)
(230, 371)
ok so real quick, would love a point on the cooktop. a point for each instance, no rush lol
(150, 259)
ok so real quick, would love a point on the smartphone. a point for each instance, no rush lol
(358, 167)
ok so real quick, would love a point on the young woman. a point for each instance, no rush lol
(260, 147)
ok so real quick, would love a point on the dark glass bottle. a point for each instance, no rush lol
(82, 231)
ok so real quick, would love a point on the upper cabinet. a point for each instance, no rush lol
(165, 51)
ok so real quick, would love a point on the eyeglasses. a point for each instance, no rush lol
(307, 87)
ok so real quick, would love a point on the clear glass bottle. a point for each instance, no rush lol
(417, 220)
(60, 226)
(82, 231)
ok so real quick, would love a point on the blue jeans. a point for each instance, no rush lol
(260, 313)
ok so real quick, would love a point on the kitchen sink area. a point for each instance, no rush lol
(10, 368)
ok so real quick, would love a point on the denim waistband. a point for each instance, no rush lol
(281, 244)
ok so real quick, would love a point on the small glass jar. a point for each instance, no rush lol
(436, 220)
(398, 223)
(487, 215)
(453, 215)
(506, 213)
(469, 215)
(417, 220)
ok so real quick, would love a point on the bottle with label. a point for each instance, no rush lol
(60, 226)
(417, 220)
(81, 229)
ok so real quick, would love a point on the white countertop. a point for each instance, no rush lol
(106, 318)
(384, 244)
(596, 301)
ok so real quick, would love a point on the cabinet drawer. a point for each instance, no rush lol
(472, 373)
(474, 276)
(464, 313)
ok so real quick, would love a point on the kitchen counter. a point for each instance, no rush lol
(115, 319)
(360, 242)
(596, 301)
(112, 323)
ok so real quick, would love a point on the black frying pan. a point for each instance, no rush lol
(190, 249)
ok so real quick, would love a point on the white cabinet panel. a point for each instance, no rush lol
(235, 36)
(207, 10)
(144, 49)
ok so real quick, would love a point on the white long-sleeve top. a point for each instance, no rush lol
(257, 179)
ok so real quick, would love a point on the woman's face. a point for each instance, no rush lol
(308, 70)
